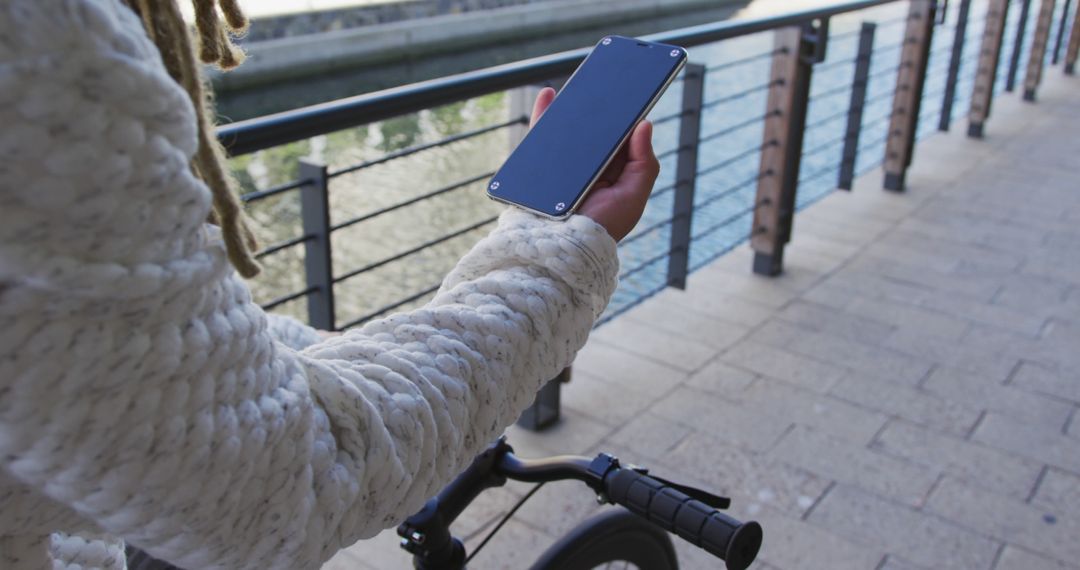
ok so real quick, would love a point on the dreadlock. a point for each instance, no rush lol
(166, 28)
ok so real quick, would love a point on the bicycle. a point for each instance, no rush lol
(637, 535)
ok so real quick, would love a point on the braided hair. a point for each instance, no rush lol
(165, 26)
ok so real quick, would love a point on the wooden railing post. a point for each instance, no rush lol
(986, 73)
(855, 107)
(682, 214)
(1074, 45)
(1038, 49)
(1018, 44)
(954, 66)
(797, 49)
(318, 267)
(908, 96)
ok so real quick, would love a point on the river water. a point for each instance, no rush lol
(724, 196)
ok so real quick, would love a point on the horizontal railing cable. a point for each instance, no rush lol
(416, 249)
(739, 95)
(274, 191)
(742, 61)
(933, 95)
(737, 126)
(735, 158)
(878, 97)
(712, 198)
(667, 118)
(641, 298)
(283, 245)
(874, 142)
(428, 146)
(884, 119)
(670, 152)
(723, 223)
(845, 35)
(714, 255)
(892, 21)
(647, 230)
(895, 46)
(827, 119)
(290, 297)
(823, 146)
(824, 66)
(841, 89)
(411, 201)
(817, 174)
(391, 306)
(661, 191)
(882, 72)
(641, 267)
(946, 49)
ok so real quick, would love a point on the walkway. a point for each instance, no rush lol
(904, 396)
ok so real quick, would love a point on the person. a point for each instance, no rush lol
(145, 398)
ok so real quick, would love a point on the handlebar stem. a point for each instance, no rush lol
(426, 535)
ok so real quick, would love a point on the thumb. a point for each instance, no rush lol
(641, 162)
(543, 101)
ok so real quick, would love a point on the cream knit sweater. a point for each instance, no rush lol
(144, 396)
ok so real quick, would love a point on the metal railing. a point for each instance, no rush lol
(750, 193)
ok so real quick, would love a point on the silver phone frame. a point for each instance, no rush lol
(648, 108)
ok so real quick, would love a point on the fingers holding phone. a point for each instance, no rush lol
(618, 205)
(588, 150)
(618, 198)
(543, 101)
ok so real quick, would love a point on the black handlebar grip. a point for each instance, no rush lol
(735, 542)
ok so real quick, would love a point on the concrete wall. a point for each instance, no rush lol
(321, 21)
(296, 57)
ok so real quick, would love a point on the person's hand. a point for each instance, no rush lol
(618, 198)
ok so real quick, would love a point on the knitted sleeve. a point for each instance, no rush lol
(140, 387)
(291, 332)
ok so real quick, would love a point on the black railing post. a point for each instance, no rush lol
(1061, 33)
(910, 79)
(942, 15)
(954, 66)
(1038, 49)
(521, 105)
(1018, 44)
(1074, 45)
(318, 268)
(544, 412)
(686, 174)
(982, 93)
(798, 48)
(855, 109)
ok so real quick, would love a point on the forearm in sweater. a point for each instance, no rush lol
(140, 387)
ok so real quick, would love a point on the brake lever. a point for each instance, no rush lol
(715, 501)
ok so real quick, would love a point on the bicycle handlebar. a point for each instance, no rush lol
(682, 510)
(735, 542)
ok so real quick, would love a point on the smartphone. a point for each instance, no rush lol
(592, 116)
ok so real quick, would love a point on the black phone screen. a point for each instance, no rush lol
(594, 112)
